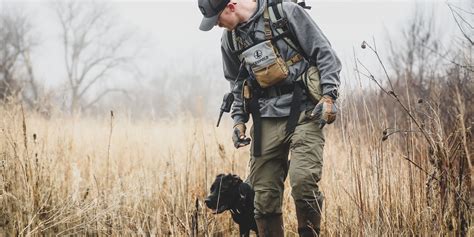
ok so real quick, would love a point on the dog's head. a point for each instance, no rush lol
(224, 191)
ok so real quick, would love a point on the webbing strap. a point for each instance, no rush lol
(276, 16)
(254, 108)
(266, 24)
(234, 39)
(295, 59)
(294, 109)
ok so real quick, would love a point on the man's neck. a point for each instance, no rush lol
(248, 9)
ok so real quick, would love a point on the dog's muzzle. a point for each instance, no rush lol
(208, 202)
(211, 205)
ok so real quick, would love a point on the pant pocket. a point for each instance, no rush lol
(267, 202)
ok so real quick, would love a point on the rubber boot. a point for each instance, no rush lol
(309, 220)
(270, 226)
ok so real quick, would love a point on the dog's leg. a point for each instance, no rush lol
(244, 232)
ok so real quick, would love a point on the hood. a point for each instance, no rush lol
(260, 8)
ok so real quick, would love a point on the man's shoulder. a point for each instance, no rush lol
(225, 33)
(292, 11)
(225, 38)
(289, 6)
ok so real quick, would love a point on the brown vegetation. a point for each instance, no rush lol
(117, 176)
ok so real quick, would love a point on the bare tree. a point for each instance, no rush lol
(459, 15)
(414, 56)
(16, 70)
(94, 49)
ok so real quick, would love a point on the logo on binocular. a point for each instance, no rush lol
(258, 54)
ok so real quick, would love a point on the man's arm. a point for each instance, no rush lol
(231, 65)
(316, 46)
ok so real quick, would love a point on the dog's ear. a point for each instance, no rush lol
(236, 180)
(229, 177)
(217, 181)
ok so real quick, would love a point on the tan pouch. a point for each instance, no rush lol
(273, 74)
(266, 64)
(311, 80)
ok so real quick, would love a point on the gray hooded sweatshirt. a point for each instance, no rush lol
(310, 39)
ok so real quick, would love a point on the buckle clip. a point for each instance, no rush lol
(281, 23)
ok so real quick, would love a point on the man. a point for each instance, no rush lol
(288, 115)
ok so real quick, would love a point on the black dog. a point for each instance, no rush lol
(228, 192)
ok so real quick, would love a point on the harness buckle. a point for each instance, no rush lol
(281, 23)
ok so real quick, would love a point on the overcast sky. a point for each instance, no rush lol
(169, 31)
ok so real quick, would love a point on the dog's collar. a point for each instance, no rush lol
(240, 203)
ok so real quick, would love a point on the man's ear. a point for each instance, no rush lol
(231, 6)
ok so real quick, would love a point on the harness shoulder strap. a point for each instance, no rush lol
(231, 38)
(266, 24)
(273, 16)
(281, 25)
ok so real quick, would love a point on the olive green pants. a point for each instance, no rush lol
(268, 171)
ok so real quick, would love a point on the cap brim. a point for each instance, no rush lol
(208, 23)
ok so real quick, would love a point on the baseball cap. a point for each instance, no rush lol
(211, 9)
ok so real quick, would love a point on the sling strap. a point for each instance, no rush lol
(295, 108)
(254, 109)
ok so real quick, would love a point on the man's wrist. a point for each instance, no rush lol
(332, 93)
(238, 124)
(240, 118)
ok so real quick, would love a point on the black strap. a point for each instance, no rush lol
(271, 3)
(275, 11)
(288, 35)
(254, 109)
(294, 109)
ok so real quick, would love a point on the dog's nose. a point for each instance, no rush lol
(208, 202)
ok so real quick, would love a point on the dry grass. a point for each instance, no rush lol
(111, 176)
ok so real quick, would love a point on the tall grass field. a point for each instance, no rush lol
(113, 175)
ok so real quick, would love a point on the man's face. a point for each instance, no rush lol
(228, 19)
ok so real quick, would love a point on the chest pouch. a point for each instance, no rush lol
(266, 64)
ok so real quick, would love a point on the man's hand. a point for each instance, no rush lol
(325, 111)
(238, 136)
